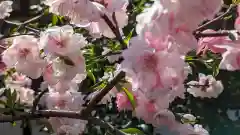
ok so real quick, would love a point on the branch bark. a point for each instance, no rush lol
(62, 114)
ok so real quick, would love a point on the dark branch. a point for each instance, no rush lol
(115, 30)
(37, 99)
(62, 114)
(102, 93)
(212, 34)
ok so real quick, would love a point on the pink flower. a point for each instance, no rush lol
(237, 21)
(71, 101)
(211, 43)
(143, 65)
(24, 55)
(80, 12)
(5, 8)
(87, 14)
(123, 102)
(231, 60)
(61, 41)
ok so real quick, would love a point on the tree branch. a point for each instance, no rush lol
(23, 24)
(212, 34)
(62, 114)
(102, 93)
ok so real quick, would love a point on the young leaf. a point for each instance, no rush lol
(134, 131)
(54, 19)
(126, 40)
(91, 76)
(130, 97)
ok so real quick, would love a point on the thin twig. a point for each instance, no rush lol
(202, 27)
(37, 100)
(102, 93)
(10, 36)
(115, 30)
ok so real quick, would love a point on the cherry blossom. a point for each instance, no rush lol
(230, 60)
(58, 70)
(24, 55)
(237, 21)
(5, 8)
(80, 12)
(61, 40)
(87, 14)
(17, 79)
(153, 62)
(206, 87)
(21, 84)
(66, 101)
(211, 43)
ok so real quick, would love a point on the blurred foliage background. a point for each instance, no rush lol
(219, 116)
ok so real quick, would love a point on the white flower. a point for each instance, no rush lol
(5, 8)
(17, 79)
(206, 87)
(58, 70)
(200, 130)
(26, 95)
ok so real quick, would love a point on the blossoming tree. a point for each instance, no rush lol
(158, 62)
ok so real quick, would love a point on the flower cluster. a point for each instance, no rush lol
(62, 66)
(88, 14)
(155, 59)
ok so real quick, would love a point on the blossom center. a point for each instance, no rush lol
(150, 61)
(24, 52)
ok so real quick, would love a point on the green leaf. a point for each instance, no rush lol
(228, 17)
(14, 124)
(186, 121)
(91, 76)
(126, 40)
(54, 19)
(236, 1)
(9, 98)
(216, 69)
(132, 131)
(14, 96)
(130, 97)
(2, 102)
